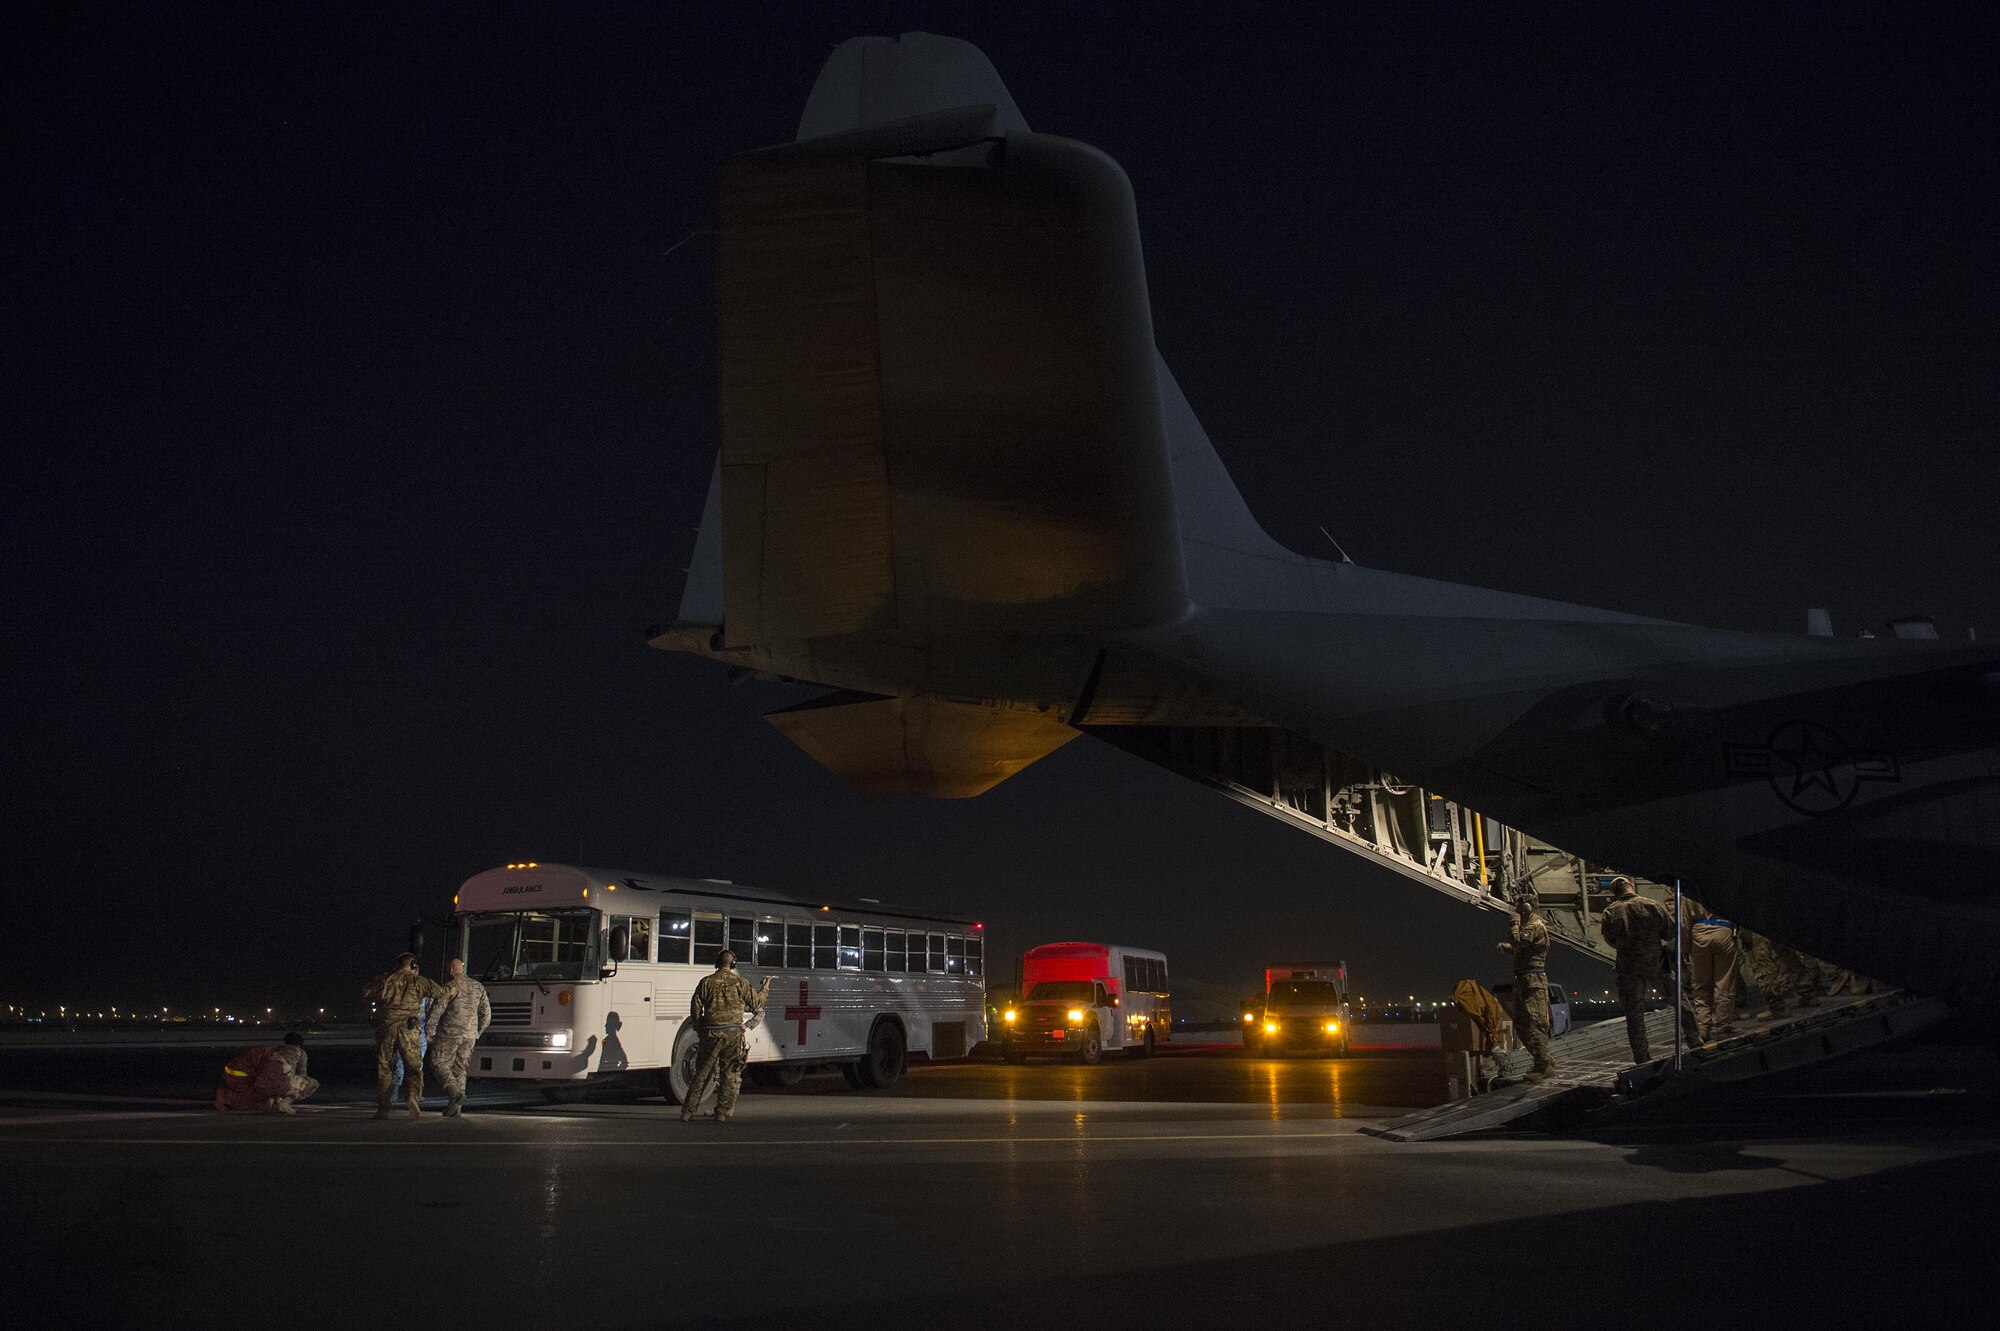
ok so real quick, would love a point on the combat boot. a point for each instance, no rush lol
(687, 1114)
(723, 1116)
(281, 1105)
(381, 1109)
(452, 1107)
(415, 1105)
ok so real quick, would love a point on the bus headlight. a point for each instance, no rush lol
(559, 1039)
(1270, 1028)
(1008, 1015)
(1076, 1015)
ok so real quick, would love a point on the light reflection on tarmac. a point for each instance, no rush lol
(1204, 1189)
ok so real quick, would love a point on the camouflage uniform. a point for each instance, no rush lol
(1783, 973)
(454, 1026)
(724, 1006)
(297, 1084)
(1635, 926)
(1529, 942)
(399, 1031)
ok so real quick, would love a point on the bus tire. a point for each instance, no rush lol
(852, 1073)
(568, 1093)
(679, 1071)
(778, 1076)
(1143, 1049)
(883, 1062)
(1092, 1052)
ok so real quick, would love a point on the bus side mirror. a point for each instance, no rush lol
(621, 943)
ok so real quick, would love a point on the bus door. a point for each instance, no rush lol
(628, 1036)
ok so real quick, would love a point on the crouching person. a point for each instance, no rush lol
(266, 1079)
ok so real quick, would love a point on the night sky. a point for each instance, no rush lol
(359, 417)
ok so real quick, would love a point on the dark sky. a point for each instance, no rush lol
(359, 418)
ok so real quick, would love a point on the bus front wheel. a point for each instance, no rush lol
(1092, 1052)
(883, 1062)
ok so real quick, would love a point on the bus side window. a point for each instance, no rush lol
(771, 944)
(640, 946)
(975, 956)
(707, 939)
(743, 940)
(936, 953)
(675, 929)
(871, 949)
(1133, 978)
(954, 955)
(825, 948)
(850, 947)
(895, 955)
(798, 945)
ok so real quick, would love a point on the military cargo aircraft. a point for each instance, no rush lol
(959, 487)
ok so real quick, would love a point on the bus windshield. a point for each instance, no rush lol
(1061, 991)
(1305, 993)
(530, 944)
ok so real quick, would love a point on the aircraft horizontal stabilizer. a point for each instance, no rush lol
(921, 745)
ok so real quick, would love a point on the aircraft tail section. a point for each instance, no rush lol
(940, 406)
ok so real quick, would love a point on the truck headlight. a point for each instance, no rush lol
(1332, 1027)
(559, 1040)
(1008, 1015)
(1270, 1028)
(1248, 1017)
(1076, 1015)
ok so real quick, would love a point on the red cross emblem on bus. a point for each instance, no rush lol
(800, 1013)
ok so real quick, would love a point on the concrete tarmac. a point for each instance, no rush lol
(982, 1195)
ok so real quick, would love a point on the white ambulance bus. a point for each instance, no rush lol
(590, 972)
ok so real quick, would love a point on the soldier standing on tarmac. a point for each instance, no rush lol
(1529, 942)
(398, 1028)
(454, 1026)
(724, 1007)
(1635, 926)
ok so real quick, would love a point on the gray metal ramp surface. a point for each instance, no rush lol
(1594, 1063)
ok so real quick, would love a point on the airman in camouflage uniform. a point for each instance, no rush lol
(1635, 926)
(398, 1031)
(724, 1008)
(454, 1026)
(1783, 973)
(1529, 942)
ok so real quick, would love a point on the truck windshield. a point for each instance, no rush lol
(530, 944)
(1061, 991)
(1305, 993)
